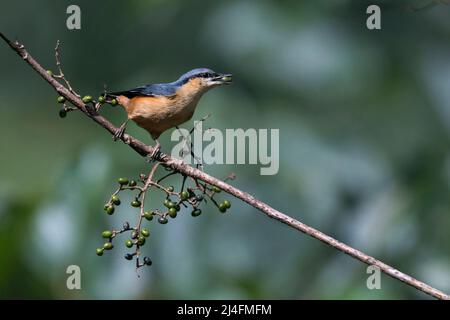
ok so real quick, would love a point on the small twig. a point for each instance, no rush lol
(199, 121)
(61, 74)
(143, 193)
(187, 144)
(166, 176)
(195, 174)
(190, 146)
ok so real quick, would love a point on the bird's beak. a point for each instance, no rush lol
(223, 79)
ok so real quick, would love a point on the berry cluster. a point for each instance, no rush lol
(86, 99)
(188, 197)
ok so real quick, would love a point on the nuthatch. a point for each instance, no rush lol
(158, 107)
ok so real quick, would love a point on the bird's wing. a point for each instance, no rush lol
(151, 90)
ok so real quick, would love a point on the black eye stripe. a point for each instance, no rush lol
(206, 75)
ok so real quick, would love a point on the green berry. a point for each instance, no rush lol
(109, 209)
(173, 212)
(222, 207)
(122, 181)
(196, 212)
(145, 232)
(135, 203)
(62, 113)
(170, 189)
(115, 199)
(163, 220)
(216, 189)
(141, 240)
(134, 234)
(227, 204)
(132, 183)
(107, 234)
(61, 99)
(148, 215)
(99, 251)
(50, 73)
(101, 99)
(87, 99)
(166, 203)
(108, 246)
(114, 102)
(171, 205)
(184, 195)
(128, 243)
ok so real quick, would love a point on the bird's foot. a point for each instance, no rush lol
(156, 153)
(119, 132)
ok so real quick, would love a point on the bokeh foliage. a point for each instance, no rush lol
(364, 119)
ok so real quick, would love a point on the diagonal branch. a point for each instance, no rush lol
(196, 174)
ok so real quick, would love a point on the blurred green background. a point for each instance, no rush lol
(364, 119)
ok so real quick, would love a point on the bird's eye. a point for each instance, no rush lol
(206, 75)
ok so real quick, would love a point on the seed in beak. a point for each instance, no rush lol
(226, 78)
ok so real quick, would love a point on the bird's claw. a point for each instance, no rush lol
(119, 133)
(155, 155)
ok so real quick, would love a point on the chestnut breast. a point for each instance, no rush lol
(157, 114)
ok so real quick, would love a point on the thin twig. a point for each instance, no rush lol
(61, 74)
(196, 174)
(144, 190)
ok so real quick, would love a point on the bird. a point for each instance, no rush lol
(162, 106)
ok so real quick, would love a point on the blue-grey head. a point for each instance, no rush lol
(205, 78)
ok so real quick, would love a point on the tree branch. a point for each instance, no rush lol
(196, 174)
